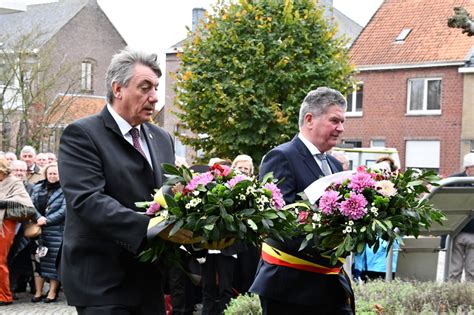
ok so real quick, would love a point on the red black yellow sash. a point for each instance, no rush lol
(275, 256)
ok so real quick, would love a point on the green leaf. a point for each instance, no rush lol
(228, 203)
(170, 169)
(252, 224)
(178, 224)
(209, 227)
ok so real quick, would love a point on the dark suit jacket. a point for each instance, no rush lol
(102, 175)
(294, 162)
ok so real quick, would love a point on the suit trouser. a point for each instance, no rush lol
(462, 257)
(217, 275)
(274, 307)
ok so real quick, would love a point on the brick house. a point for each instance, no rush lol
(74, 31)
(416, 85)
(172, 124)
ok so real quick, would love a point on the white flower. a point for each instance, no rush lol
(196, 193)
(314, 225)
(386, 188)
(351, 223)
(348, 229)
(242, 197)
(260, 207)
(188, 206)
(264, 199)
(250, 190)
(316, 217)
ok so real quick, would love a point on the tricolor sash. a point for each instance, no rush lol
(278, 257)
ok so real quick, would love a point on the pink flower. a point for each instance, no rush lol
(360, 181)
(203, 179)
(328, 202)
(233, 181)
(302, 216)
(277, 196)
(354, 207)
(221, 170)
(153, 209)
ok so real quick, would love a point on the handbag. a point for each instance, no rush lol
(32, 230)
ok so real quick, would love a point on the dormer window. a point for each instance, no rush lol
(403, 35)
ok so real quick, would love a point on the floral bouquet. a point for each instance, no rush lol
(220, 204)
(366, 206)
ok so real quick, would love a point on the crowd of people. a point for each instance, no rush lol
(30, 261)
(85, 206)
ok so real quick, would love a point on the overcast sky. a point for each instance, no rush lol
(155, 25)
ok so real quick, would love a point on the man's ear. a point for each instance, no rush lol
(309, 120)
(117, 90)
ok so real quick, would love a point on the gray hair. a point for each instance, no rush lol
(318, 101)
(28, 148)
(121, 68)
(19, 163)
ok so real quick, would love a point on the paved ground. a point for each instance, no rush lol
(23, 306)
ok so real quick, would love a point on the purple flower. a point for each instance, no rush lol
(361, 180)
(328, 202)
(354, 207)
(233, 181)
(203, 179)
(153, 209)
(277, 196)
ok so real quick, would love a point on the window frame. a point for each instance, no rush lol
(86, 76)
(353, 112)
(424, 110)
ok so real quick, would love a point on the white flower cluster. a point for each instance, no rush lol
(349, 228)
(193, 203)
(375, 211)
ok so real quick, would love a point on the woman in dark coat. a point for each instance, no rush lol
(49, 201)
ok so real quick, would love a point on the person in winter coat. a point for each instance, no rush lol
(50, 204)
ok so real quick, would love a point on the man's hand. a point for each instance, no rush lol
(217, 245)
(182, 236)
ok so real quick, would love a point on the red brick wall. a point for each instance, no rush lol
(384, 114)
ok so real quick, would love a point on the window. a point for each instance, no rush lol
(424, 96)
(353, 143)
(355, 100)
(86, 76)
(377, 143)
(403, 35)
(423, 154)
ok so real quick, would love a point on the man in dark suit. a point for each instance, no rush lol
(312, 285)
(108, 162)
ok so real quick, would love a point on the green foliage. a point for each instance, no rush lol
(246, 72)
(396, 297)
(244, 305)
(399, 297)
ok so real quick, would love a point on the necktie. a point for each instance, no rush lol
(324, 162)
(135, 133)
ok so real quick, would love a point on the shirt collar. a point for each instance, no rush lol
(311, 147)
(123, 125)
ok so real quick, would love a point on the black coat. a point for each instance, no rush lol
(294, 162)
(102, 176)
(52, 232)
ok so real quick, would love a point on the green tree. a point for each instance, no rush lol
(462, 19)
(245, 73)
(31, 108)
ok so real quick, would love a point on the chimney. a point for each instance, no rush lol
(198, 15)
